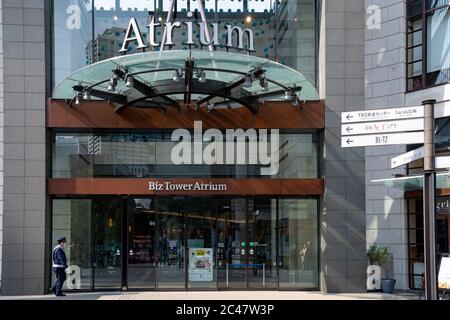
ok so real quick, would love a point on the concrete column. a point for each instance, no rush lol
(341, 84)
(24, 147)
(385, 86)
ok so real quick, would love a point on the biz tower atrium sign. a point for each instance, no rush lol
(133, 33)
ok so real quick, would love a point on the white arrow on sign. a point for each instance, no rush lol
(407, 157)
(382, 114)
(442, 162)
(382, 126)
(382, 139)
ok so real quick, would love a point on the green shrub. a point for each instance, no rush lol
(378, 255)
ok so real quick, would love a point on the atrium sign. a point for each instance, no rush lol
(133, 33)
(197, 186)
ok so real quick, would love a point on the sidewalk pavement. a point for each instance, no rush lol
(224, 295)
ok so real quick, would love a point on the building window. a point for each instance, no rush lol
(428, 43)
(143, 155)
(416, 240)
(88, 31)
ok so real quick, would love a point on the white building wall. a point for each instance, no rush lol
(385, 86)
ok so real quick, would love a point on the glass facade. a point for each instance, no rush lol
(416, 240)
(142, 155)
(193, 243)
(185, 242)
(428, 38)
(86, 32)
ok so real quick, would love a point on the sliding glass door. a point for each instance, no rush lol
(107, 215)
(171, 267)
(188, 243)
(141, 247)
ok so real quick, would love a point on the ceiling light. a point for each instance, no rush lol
(288, 95)
(86, 95)
(264, 85)
(77, 99)
(112, 84)
(248, 19)
(129, 81)
(201, 75)
(248, 81)
(177, 74)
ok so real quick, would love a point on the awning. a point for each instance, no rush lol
(414, 183)
(203, 78)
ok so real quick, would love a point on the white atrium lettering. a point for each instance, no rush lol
(133, 33)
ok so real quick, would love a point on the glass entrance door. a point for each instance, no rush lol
(262, 233)
(141, 251)
(171, 269)
(201, 242)
(232, 244)
(107, 243)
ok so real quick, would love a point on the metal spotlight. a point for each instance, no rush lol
(288, 95)
(177, 74)
(264, 85)
(196, 108)
(129, 81)
(78, 99)
(112, 84)
(201, 75)
(295, 101)
(209, 107)
(86, 95)
(248, 81)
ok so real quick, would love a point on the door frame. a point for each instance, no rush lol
(125, 237)
(124, 240)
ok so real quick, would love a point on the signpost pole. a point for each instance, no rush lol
(429, 217)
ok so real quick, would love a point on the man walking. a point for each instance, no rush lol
(59, 267)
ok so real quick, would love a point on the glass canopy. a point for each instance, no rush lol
(214, 78)
(414, 183)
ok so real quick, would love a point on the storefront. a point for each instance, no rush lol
(189, 165)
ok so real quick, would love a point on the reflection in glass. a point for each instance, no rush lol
(107, 243)
(231, 246)
(171, 247)
(262, 267)
(141, 243)
(72, 219)
(438, 42)
(201, 222)
(72, 30)
(75, 45)
(149, 155)
(298, 243)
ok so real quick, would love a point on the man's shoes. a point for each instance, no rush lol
(51, 290)
(60, 295)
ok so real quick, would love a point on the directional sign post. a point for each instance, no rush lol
(429, 203)
(401, 126)
(382, 139)
(382, 114)
(407, 158)
(382, 126)
(442, 162)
